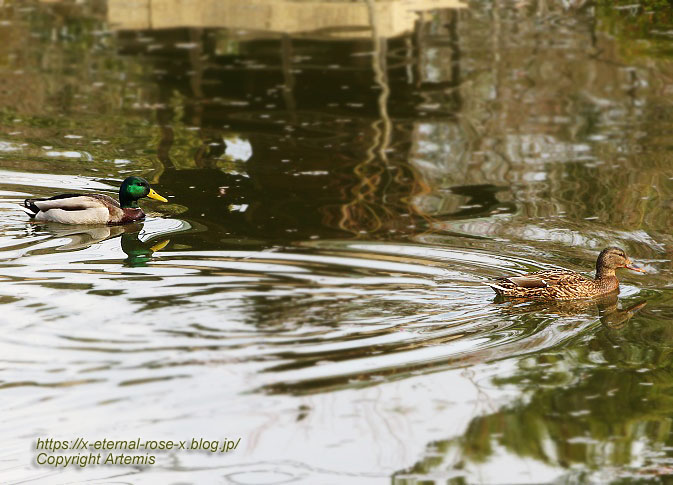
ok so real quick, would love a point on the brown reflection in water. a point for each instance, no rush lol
(607, 305)
(388, 135)
(379, 128)
(330, 148)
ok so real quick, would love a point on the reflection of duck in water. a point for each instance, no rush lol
(613, 317)
(94, 208)
(555, 284)
(609, 312)
(139, 252)
(83, 237)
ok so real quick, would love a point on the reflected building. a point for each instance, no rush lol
(380, 117)
(386, 114)
(316, 18)
(308, 93)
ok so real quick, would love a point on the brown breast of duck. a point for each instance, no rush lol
(131, 214)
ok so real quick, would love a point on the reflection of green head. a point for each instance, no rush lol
(134, 188)
(139, 252)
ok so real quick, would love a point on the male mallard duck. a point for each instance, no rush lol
(94, 208)
(560, 284)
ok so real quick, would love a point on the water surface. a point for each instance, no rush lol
(337, 198)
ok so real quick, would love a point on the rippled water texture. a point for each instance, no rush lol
(342, 179)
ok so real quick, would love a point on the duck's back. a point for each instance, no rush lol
(551, 284)
(75, 209)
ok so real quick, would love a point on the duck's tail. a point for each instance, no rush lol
(30, 208)
(500, 290)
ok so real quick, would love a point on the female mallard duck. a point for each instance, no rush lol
(560, 284)
(94, 208)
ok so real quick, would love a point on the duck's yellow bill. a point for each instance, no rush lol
(155, 196)
(160, 246)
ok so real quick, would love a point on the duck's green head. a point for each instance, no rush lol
(134, 188)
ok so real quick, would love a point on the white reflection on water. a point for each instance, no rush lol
(246, 344)
(63, 182)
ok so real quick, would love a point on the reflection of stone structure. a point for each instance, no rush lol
(539, 122)
(450, 105)
(345, 17)
(258, 83)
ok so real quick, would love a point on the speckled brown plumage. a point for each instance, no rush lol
(556, 284)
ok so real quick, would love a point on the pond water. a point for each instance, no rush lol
(337, 198)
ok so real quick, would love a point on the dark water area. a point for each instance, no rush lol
(338, 195)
